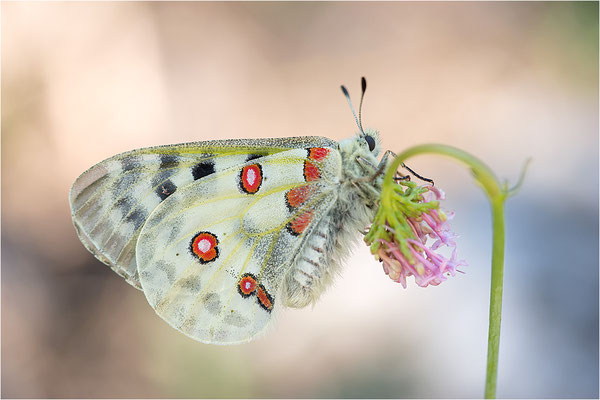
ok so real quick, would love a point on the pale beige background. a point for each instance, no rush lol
(505, 81)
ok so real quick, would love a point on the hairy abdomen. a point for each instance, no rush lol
(324, 250)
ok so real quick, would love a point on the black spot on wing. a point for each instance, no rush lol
(125, 204)
(130, 163)
(166, 189)
(167, 269)
(168, 161)
(203, 169)
(253, 157)
(138, 217)
(191, 283)
(212, 303)
(124, 183)
(163, 187)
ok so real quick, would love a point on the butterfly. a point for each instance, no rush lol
(219, 235)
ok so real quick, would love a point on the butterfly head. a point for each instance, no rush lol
(369, 140)
(360, 152)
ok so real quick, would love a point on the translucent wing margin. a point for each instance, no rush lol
(111, 201)
(212, 256)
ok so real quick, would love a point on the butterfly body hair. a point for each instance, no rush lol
(327, 247)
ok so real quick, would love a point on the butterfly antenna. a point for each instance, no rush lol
(363, 82)
(345, 91)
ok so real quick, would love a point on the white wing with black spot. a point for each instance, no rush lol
(111, 201)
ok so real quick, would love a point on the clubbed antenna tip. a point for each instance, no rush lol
(345, 91)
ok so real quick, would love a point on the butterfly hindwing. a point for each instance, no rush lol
(111, 201)
(212, 255)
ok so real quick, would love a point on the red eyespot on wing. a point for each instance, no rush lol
(204, 246)
(247, 285)
(317, 153)
(311, 173)
(299, 224)
(296, 197)
(251, 178)
(264, 298)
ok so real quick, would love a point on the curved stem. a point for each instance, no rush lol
(496, 194)
(481, 172)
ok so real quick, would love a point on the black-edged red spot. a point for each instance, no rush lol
(247, 285)
(205, 247)
(300, 223)
(265, 300)
(311, 172)
(294, 198)
(317, 153)
(251, 178)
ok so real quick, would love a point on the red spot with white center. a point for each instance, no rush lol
(251, 178)
(264, 298)
(247, 285)
(300, 223)
(311, 172)
(204, 246)
(317, 153)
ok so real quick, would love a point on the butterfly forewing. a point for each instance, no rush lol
(112, 200)
(212, 255)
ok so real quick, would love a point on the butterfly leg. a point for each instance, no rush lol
(378, 170)
(417, 175)
(368, 185)
(389, 152)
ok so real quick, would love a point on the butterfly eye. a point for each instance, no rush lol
(370, 142)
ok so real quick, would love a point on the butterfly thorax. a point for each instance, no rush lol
(330, 242)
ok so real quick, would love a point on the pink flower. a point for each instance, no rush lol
(412, 251)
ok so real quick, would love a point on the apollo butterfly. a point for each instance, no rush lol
(220, 234)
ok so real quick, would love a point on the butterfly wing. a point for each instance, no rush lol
(111, 201)
(212, 256)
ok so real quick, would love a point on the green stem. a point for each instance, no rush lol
(497, 195)
(495, 299)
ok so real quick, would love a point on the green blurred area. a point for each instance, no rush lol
(567, 36)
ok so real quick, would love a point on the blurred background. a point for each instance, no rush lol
(504, 81)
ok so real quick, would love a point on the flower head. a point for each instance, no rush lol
(408, 231)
